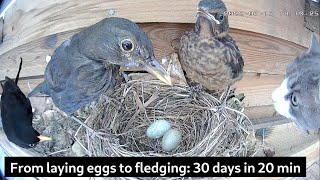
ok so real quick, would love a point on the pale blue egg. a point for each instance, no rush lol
(171, 140)
(157, 129)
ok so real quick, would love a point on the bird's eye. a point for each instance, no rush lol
(127, 45)
(294, 100)
(220, 17)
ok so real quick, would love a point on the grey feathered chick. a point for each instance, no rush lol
(208, 55)
(86, 65)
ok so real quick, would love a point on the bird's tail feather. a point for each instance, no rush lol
(18, 74)
(41, 88)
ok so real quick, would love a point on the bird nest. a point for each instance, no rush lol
(116, 125)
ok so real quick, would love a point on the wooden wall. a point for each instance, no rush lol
(33, 30)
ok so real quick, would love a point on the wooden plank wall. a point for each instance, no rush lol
(33, 30)
(29, 20)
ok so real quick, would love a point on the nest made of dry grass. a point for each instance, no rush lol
(117, 124)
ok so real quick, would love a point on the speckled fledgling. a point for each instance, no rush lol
(209, 56)
(86, 65)
(16, 115)
(298, 97)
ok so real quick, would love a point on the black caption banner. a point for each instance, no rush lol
(155, 167)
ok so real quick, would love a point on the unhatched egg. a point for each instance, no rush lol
(157, 129)
(171, 140)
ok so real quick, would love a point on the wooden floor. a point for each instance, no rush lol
(313, 172)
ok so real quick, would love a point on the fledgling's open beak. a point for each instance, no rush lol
(44, 138)
(153, 67)
(209, 16)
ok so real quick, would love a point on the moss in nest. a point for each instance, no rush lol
(58, 126)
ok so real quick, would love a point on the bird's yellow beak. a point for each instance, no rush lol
(153, 67)
(207, 14)
(44, 138)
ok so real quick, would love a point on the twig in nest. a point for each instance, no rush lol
(141, 108)
(57, 152)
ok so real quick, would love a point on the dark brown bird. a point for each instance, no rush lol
(16, 115)
(209, 56)
(87, 64)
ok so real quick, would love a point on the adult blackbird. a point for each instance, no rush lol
(86, 65)
(208, 55)
(16, 115)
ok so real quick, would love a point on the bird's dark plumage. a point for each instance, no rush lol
(85, 66)
(209, 56)
(16, 114)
